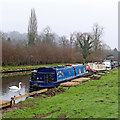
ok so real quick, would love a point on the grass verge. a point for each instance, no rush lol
(29, 66)
(15, 74)
(94, 99)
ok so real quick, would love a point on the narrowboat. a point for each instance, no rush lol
(96, 67)
(108, 64)
(53, 76)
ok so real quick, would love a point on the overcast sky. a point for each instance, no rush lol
(63, 16)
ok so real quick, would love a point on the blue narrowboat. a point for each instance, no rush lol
(53, 76)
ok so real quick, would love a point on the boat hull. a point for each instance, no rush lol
(34, 84)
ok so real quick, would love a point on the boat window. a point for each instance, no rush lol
(34, 76)
(84, 69)
(79, 70)
(74, 71)
(45, 78)
(50, 78)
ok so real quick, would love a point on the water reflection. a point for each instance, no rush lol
(14, 81)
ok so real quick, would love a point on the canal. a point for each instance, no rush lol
(14, 81)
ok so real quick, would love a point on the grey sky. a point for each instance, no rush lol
(63, 16)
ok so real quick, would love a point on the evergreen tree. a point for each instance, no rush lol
(85, 43)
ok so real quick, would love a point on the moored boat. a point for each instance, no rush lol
(53, 76)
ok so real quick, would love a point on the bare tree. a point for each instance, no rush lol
(47, 36)
(72, 39)
(32, 28)
(63, 42)
(72, 42)
(97, 34)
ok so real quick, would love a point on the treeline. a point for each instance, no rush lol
(50, 48)
(42, 54)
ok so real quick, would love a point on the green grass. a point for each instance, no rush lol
(29, 66)
(15, 74)
(94, 99)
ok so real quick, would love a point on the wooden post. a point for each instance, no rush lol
(14, 100)
(11, 102)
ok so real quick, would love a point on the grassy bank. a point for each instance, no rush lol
(15, 74)
(94, 99)
(29, 66)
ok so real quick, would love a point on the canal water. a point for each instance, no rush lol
(14, 81)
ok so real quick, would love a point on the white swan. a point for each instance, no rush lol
(15, 87)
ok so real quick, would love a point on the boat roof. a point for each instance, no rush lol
(75, 65)
(62, 66)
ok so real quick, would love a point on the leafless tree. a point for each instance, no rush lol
(63, 41)
(72, 39)
(97, 34)
(47, 36)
